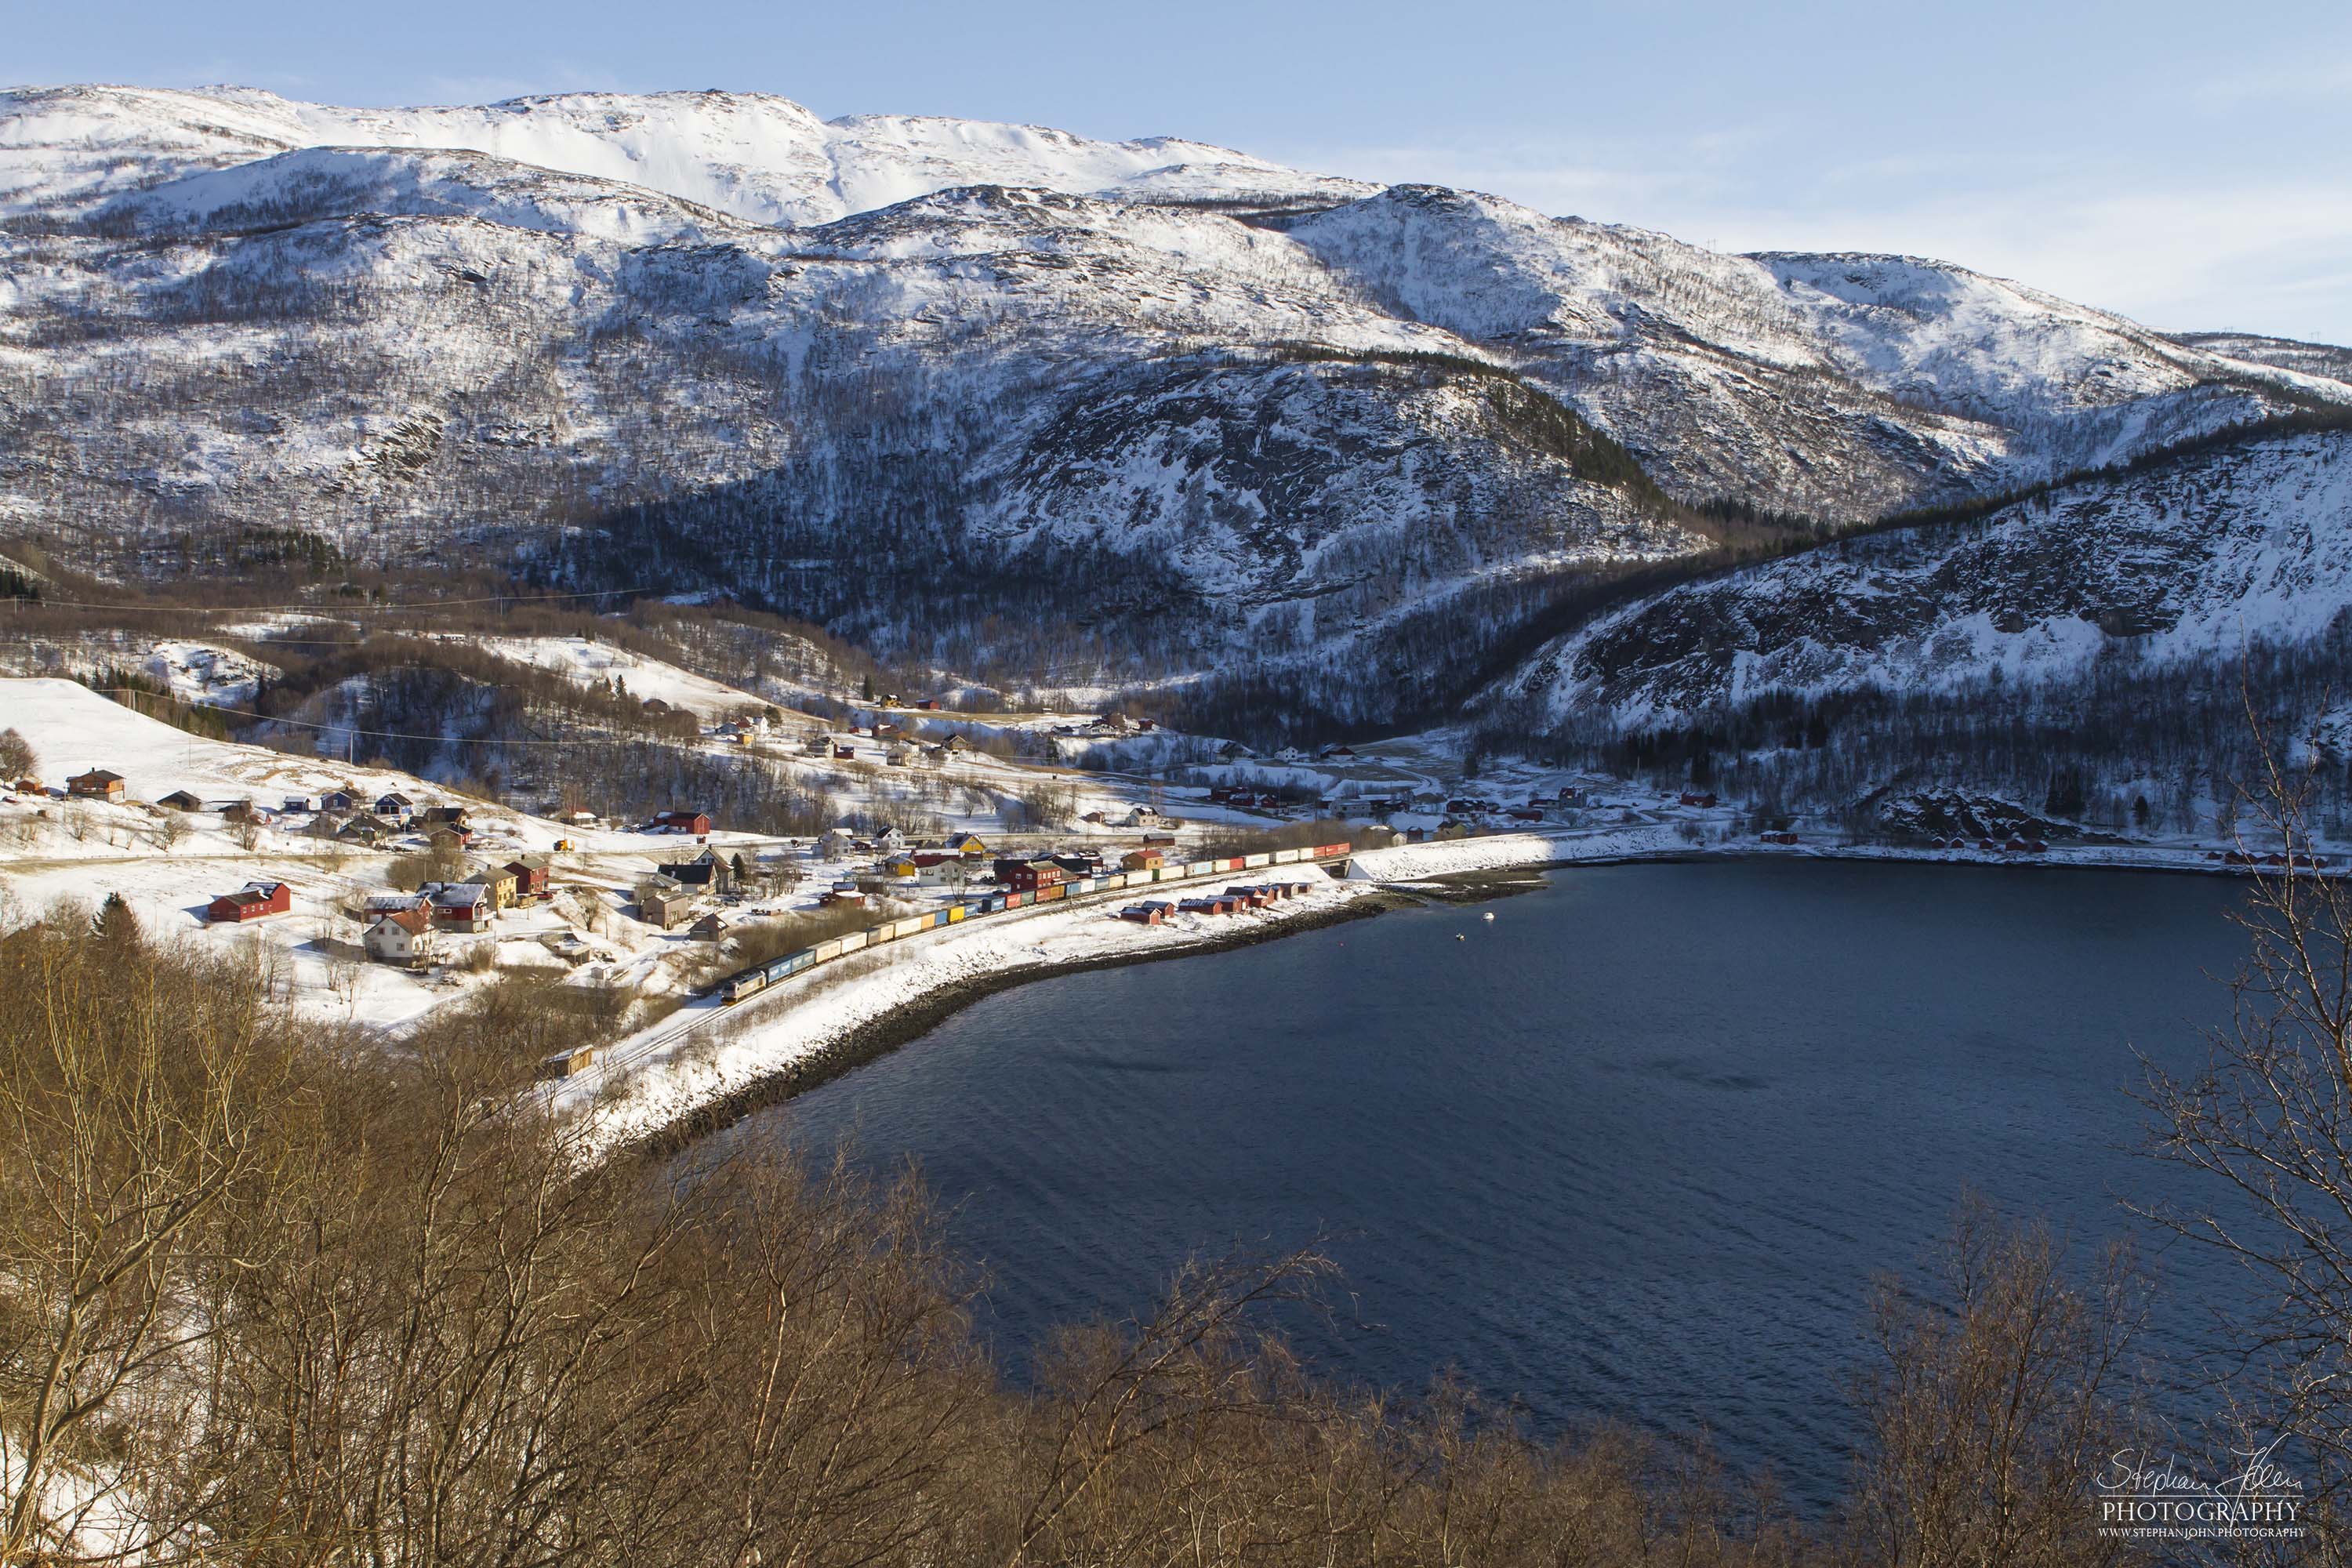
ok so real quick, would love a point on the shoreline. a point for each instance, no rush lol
(1508, 865)
(901, 1026)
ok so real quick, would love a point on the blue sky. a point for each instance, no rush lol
(2190, 166)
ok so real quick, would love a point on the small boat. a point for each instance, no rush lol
(1487, 916)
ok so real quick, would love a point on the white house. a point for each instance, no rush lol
(400, 937)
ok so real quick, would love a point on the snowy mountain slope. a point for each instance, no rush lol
(2322, 361)
(1840, 385)
(1001, 321)
(317, 183)
(1339, 490)
(760, 158)
(2186, 561)
(912, 376)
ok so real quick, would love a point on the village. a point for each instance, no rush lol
(382, 896)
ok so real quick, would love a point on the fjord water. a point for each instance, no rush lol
(1634, 1148)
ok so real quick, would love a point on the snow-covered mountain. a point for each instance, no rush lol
(917, 376)
(1841, 386)
(2189, 563)
(755, 156)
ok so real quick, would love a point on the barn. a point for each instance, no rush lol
(255, 900)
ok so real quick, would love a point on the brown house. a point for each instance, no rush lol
(96, 785)
(666, 907)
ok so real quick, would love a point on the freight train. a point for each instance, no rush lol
(758, 978)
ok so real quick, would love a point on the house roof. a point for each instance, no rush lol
(95, 775)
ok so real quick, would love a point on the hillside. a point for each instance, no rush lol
(2185, 565)
(1841, 386)
(2123, 654)
(992, 399)
(758, 157)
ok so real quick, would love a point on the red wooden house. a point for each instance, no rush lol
(253, 901)
(694, 822)
(1028, 875)
(531, 878)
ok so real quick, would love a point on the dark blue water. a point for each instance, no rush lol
(1634, 1149)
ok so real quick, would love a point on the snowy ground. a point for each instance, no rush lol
(169, 865)
(586, 662)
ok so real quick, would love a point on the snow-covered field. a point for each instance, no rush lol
(168, 865)
(587, 661)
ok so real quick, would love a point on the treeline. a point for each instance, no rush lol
(268, 1296)
(531, 737)
(2132, 744)
(142, 693)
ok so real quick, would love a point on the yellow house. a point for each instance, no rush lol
(498, 882)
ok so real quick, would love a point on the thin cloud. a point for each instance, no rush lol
(2325, 83)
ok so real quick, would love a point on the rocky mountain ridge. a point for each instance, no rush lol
(928, 380)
